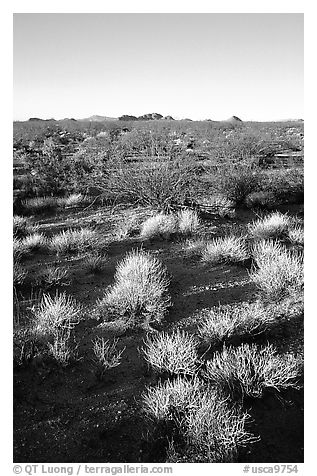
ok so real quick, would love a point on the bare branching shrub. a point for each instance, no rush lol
(73, 241)
(237, 182)
(222, 322)
(60, 312)
(95, 262)
(106, 355)
(279, 272)
(22, 227)
(214, 431)
(159, 182)
(230, 249)
(61, 348)
(161, 402)
(188, 222)
(159, 226)
(139, 293)
(173, 354)
(24, 346)
(273, 226)
(210, 430)
(249, 369)
(53, 275)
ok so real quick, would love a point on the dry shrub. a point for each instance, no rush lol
(279, 273)
(222, 322)
(230, 249)
(176, 395)
(248, 370)
(172, 354)
(208, 429)
(106, 355)
(139, 293)
(60, 312)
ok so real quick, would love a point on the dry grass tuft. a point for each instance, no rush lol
(273, 226)
(230, 249)
(159, 226)
(188, 222)
(73, 241)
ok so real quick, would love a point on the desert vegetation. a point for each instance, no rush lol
(158, 291)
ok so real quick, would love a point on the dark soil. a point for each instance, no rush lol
(68, 415)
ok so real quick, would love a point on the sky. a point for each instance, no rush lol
(198, 66)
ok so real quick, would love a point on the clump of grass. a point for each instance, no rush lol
(218, 205)
(72, 200)
(106, 355)
(208, 429)
(220, 323)
(229, 249)
(19, 273)
(172, 354)
(129, 227)
(188, 222)
(164, 226)
(22, 227)
(60, 312)
(73, 241)
(139, 293)
(296, 235)
(279, 273)
(95, 262)
(273, 226)
(248, 370)
(38, 205)
(53, 276)
(194, 247)
(29, 244)
(159, 226)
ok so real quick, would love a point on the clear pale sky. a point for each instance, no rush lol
(187, 65)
